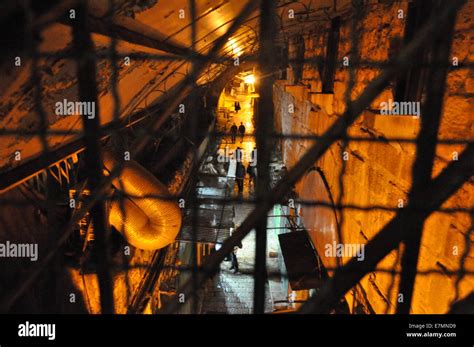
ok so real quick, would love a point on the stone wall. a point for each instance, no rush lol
(379, 173)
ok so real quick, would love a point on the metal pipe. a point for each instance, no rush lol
(147, 222)
(86, 75)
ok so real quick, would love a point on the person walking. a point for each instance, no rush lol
(239, 176)
(241, 131)
(252, 168)
(252, 171)
(233, 132)
(253, 157)
(238, 154)
(233, 255)
(237, 106)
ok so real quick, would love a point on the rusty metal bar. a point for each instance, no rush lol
(425, 154)
(264, 126)
(353, 59)
(36, 78)
(54, 13)
(133, 31)
(86, 74)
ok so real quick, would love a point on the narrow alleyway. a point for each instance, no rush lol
(232, 292)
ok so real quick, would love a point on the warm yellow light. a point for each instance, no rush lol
(236, 50)
(250, 79)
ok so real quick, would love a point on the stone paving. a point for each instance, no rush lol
(231, 293)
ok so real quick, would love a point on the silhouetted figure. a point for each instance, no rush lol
(233, 132)
(241, 131)
(237, 106)
(238, 154)
(233, 256)
(252, 171)
(253, 157)
(252, 168)
(239, 176)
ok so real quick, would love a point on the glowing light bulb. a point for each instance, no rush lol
(250, 79)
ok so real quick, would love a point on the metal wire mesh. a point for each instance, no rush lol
(149, 125)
